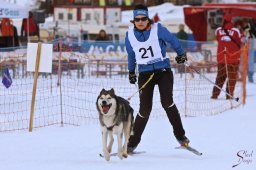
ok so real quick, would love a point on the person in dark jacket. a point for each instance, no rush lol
(182, 35)
(146, 47)
(102, 36)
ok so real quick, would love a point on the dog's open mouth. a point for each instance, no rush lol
(105, 108)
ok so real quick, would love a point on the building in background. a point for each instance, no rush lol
(126, 4)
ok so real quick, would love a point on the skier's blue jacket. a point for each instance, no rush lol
(164, 36)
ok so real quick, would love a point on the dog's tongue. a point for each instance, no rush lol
(105, 109)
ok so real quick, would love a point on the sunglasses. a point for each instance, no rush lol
(140, 19)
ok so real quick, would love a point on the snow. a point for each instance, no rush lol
(219, 137)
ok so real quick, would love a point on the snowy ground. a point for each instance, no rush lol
(220, 138)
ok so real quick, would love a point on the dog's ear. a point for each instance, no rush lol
(102, 91)
(112, 91)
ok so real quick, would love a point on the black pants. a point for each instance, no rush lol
(164, 80)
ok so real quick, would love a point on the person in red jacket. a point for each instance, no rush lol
(228, 57)
(156, 18)
(30, 28)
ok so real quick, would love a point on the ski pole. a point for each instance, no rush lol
(188, 65)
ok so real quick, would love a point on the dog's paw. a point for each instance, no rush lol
(120, 155)
(107, 157)
(125, 155)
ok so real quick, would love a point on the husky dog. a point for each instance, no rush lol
(116, 117)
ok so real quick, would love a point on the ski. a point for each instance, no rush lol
(189, 148)
(131, 153)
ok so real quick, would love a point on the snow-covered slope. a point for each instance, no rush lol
(227, 139)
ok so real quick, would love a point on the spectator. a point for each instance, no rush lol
(8, 34)
(156, 18)
(250, 33)
(29, 26)
(102, 36)
(182, 35)
(239, 25)
(228, 57)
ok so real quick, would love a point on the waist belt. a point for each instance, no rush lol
(156, 71)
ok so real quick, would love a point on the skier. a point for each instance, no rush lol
(146, 46)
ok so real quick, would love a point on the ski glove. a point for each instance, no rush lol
(132, 77)
(181, 58)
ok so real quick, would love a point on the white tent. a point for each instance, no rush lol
(166, 12)
(8, 10)
(170, 16)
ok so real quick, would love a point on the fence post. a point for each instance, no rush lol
(32, 108)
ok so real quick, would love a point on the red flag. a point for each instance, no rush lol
(71, 1)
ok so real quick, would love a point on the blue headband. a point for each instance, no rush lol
(140, 12)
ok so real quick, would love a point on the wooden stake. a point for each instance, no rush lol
(32, 108)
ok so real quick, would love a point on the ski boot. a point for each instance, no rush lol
(183, 141)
